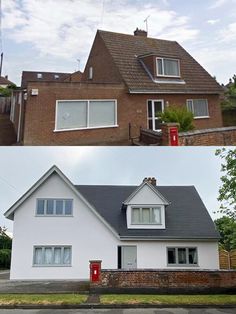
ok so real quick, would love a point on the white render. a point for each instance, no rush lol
(89, 237)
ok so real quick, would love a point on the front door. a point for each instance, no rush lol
(128, 257)
(154, 108)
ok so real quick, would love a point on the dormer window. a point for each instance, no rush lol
(146, 216)
(56, 77)
(39, 75)
(167, 67)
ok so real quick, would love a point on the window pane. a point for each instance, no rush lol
(171, 256)
(38, 256)
(146, 215)
(49, 208)
(57, 255)
(200, 108)
(40, 207)
(149, 109)
(190, 105)
(59, 207)
(150, 124)
(171, 67)
(101, 113)
(48, 256)
(135, 215)
(68, 207)
(182, 256)
(159, 67)
(67, 256)
(192, 255)
(156, 215)
(71, 114)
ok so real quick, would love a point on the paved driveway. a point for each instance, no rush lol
(130, 311)
(4, 274)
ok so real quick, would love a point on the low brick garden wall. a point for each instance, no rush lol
(165, 281)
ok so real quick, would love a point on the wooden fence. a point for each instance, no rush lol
(227, 259)
(5, 104)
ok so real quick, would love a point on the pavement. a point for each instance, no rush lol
(126, 311)
(4, 274)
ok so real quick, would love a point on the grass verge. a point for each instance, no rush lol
(41, 299)
(169, 299)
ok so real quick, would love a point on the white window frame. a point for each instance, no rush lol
(88, 127)
(54, 207)
(53, 247)
(177, 264)
(192, 107)
(153, 111)
(150, 211)
(90, 73)
(163, 67)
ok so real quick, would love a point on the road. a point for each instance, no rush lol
(126, 311)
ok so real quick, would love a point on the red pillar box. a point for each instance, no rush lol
(95, 271)
(174, 136)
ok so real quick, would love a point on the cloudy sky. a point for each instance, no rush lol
(21, 167)
(51, 35)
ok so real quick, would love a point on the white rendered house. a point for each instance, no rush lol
(59, 227)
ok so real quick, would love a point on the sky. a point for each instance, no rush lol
(52, 35)
(21, 167)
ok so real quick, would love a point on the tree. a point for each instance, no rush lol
(179, 115)
(5, 248)
(227, 191)
(227, 229)
(230, 102)
(6, 91)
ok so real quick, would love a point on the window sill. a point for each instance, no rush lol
(83, 129)
(203, 117)
(182, 265)
(52, 265)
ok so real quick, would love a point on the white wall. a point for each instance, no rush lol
(89, 237)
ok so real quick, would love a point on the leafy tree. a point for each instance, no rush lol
(230, 102)
(227, 229)
(227, 191)
(5, 248)
(6, 91)
(179, 115)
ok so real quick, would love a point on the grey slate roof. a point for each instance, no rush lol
(186, 216)
(125, 50)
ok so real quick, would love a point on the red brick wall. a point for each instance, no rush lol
(40, 113)
(168, 279)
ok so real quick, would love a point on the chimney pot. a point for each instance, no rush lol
(6, 77)
(150, 180)
(140, 32)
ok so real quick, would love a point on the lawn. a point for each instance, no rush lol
(41, 299)
(169, 299)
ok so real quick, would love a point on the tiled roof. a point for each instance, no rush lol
(33, 76)
(4, 81)
(126, 49)
(186, 215)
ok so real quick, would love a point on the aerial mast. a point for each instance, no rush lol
(146, 21)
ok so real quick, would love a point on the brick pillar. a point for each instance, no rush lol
(165, 128)
(95, 272)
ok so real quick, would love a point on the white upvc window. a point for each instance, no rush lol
(182, 256)
(146, 215)
(85, 114)
(54, 207)
(199, 108)
(167, 67)
(52, 256)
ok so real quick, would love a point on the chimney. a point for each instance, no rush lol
(150, 180)
(140, 32)
(6, 77)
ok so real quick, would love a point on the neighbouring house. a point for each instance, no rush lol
(4, 82)
(59, 227)
(127, 80)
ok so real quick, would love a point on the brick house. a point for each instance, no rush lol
(126, 81)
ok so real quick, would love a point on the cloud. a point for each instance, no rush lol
(66, 28)
(213, 22)
(218, 3)
(228, 34)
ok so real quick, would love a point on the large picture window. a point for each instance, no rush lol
(52, 255)
(146, 216)
(54, 207)
(199, 107)
(85, 114)
(182, 256)
(167, 67)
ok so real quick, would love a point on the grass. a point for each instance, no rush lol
(42, 299)
(169, 299)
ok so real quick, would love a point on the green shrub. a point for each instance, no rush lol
(179, 115)
(5, 258)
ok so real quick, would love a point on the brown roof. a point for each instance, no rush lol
(126, 49)
(74, 77)
(32, 76)
(4, 81)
